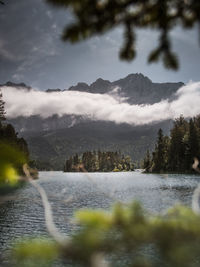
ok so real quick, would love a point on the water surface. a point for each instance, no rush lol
(68, 192)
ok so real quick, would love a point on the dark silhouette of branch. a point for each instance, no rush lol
(95, 17)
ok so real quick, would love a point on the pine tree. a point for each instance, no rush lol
(159, 154)
(75, 160)
(100, 161)
(2, 110)
(147, 162)
(192, 145)
(176, 153)
(177, 147)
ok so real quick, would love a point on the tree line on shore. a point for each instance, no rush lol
(98, 161)
(175, 153)
(9, 136)
(14, 153)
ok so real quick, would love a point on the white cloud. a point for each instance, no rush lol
(100, 107)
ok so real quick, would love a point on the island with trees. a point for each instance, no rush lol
(176, 153)
(98, 161)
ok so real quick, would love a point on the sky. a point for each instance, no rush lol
(31, 50)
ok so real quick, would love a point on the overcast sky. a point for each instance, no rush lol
(31, 50)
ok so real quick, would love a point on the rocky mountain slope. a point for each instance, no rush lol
(137, 88)
(53, 139)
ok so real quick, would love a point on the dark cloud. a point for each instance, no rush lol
(31, 50)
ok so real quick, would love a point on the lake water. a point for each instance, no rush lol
(68, 192)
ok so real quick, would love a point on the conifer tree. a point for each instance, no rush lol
(2, 110)
(147, 162)
(176, 156)
(177, 152)
(158, 156)
(193, 144)
(100, 161)
(75, 160)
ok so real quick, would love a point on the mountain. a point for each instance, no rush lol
(51, 148)
(137, 88)
(53, 90)
(16, 85)
(52, 140)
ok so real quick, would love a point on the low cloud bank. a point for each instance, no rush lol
(100, 107)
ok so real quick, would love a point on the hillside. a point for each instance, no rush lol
(53, 139)
(137, 88)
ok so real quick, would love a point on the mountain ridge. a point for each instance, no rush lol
(16, 85)
(136, 88)
(55, 138)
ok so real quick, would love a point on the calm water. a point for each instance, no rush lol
(68, 192)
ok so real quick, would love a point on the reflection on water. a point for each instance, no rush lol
(68, 192)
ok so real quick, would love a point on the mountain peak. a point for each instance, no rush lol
(18, 85)
(137, 76)
(82, 84)
(82, 87)
(100, 86)
(135, 87)
(100, 81)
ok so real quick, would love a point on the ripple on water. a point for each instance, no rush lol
(68, 192)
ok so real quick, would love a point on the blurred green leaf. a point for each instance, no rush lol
(35, 253)
(11, 161)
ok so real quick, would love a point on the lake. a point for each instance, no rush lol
(68, 192)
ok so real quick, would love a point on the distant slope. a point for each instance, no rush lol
(17, 85)
(54, 147)
(53, 139)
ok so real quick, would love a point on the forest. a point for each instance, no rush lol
(176, 153)
(99, 162)
(14, 153)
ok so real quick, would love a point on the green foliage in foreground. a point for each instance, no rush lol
(35, 252)
(127, 236)
(13, 154)
(11, 161)
(99, 162)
